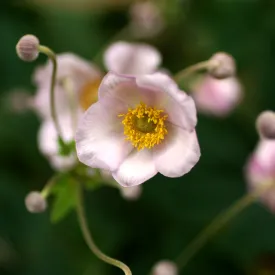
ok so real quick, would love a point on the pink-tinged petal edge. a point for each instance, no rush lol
(125, 89)
(111, 81)
(178, 153)
(137, 168)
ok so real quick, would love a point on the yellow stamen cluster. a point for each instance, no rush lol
(144, 126)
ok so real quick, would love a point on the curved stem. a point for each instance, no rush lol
(51, 55)
(194, 68)
(89, 240)
(218, 223)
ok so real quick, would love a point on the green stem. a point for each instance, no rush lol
(89, 240)
(51, 55)
(48, 187)
(194, 68)
(218, 223)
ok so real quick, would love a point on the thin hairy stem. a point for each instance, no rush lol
(48, 187)
(51, 55)
(89, 240)
(194, 68)
(218, 223)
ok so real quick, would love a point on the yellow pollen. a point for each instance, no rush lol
(144, 126)
(89, 94)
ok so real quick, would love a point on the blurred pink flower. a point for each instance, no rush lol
(132, 58)
(165, 267)
(70, 66)
(48, 143)
(217, 96)
(140, 126)
(131, 193)
(261, 168)
(85, 77)
(146, 19)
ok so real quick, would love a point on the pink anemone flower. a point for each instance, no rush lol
(141, 125)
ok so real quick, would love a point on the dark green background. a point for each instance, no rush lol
(171, 211)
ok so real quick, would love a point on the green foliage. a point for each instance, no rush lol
(65, 192)
(65, 189)
(66, 148)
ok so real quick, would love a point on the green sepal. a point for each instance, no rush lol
(65, 191)
(90, 182)
(65, 197)
(65, 148)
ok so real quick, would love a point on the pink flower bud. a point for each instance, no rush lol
(146, 19)
(265, 124)
(260, 170)
(223, 65)
(217, 96)
(165, 268)
(27, 48)
(35, 203)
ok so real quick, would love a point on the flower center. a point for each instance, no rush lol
(144, 126)
(89, 94)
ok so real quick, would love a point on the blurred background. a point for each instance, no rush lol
(170, 212)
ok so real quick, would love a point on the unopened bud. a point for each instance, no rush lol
(223, 65)
(27, 48)
(35, 203)
(265, 124)
(165, 268)
(146, 19)
(131, 193)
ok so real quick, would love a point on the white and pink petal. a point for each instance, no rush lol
(178, 153)
(100, 141)
(137, 168)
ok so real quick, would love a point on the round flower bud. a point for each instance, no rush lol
(265, 124)
(223, 65)
(146, 19)
(131, 193)
(27, 48)
(165, 268)
(35, 203)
